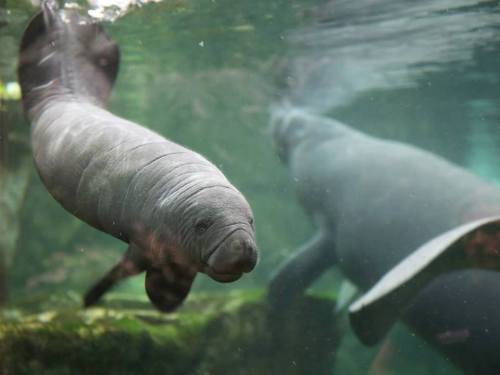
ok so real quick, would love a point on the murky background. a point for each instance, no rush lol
(205, 74)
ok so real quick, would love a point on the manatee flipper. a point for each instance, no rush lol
(168, 287)
(298, 272)
(375, 312)
(131, 264)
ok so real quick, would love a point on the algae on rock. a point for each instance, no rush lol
(210, 334)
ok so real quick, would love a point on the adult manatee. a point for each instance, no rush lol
(390, 211)
(175, 209)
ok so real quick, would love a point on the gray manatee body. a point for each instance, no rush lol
(383, 208)
(175, 209)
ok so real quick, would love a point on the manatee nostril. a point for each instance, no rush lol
(242, 247)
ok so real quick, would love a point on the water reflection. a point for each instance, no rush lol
(104, 10)
(365, 45)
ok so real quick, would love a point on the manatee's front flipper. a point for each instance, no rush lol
(474, 245)
(168, 287)
(131, 264)
(293, 277)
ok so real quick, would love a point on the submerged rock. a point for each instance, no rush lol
(218, 334)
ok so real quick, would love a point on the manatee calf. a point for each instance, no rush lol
(392, 212)
(175, 209)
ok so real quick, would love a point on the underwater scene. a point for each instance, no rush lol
(250, 187)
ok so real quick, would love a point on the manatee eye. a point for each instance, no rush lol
(250, 221)
(202, 226)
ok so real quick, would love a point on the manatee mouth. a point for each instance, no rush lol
(232, 256)
(221, 277)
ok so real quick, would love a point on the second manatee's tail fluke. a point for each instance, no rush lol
(474, 244)
(65, 53)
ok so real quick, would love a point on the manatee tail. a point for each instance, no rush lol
(286, 125)
(302, 96)
(475, 244)
(65, 53)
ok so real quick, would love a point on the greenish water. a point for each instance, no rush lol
(205, 73)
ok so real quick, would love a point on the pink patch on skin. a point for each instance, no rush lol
(453, 337)
(482, 247)
(386, 355)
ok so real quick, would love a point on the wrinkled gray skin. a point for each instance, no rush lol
(374, 202)
(175, 209)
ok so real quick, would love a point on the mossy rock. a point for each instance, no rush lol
(210, 334)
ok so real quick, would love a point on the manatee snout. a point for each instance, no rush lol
(236, 255)
(241, 255)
